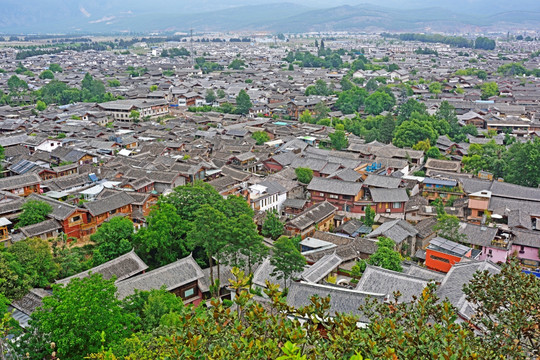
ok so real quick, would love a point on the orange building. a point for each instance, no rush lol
(442, 254)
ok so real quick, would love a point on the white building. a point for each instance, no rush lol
(267, 196)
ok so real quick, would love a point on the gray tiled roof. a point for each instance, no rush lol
(348, 252)
(347, 175)
(519, 218)
(60, 210)
(444, 165)
(397, 230)
(530, 238)
(389, 195)
(422, 272)
(461, 273)
(40, 228)
(171, 276)
(31, 301)
(122, 268)
(19, 181)
(477, 234)
(263, 273)
(110, 203)
(378, 181)
(312, 215)
(321, 268)
(334, 186)
(342, 300)
(379, 280)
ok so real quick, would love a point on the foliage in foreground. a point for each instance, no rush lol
(85, 317)
(423, 329)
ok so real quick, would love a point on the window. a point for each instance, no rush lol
(522, 249)
(438, 258)
(189, 293)
(321, 194)
(75, 219)
(396, 205)
(332, 196)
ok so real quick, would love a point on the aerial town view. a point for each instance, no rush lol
(352, 180)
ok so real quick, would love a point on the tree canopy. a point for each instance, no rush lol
(33, 212)
(286, 259)
(243, 102)
(77, 318)
(113, 238)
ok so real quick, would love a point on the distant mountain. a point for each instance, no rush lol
(99, 16)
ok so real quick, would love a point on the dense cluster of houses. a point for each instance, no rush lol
(93, 162)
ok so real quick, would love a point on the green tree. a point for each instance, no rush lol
(35, 257)
(320, 88)
(386, 129)
(304, 175)
(286, 259)
(113, 83)
(385, 256)
(14, 282)
(435, 88)
(521, 164)
(448, 227)
(187, 199)
(260, 137)
(209, 232)
(358, 269)
(481, 74)
(433, 152)
(135, 116)
(424, 328)
(151, 306)
(92, 90)
(163, 240)
(243, 102)
(153, 88)
(210, 96)
(507, 309)
(74, 317)
(407, 109)
(321, 111)
(272, 227)
(349, 101)
(112, 239)
(221, 94)
(305, 117)
(237, 64)
(489, 89)
(418, 128)
(378, 102)
(40, 105)
(8, 328)
(339, 139)
(15, 84)
(46, 74)
(55, 68)
(245, 246)
(33, 212)
(369, 216)
(484, 43)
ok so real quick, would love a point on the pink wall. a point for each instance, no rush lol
(529, 252)
(498, 255)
